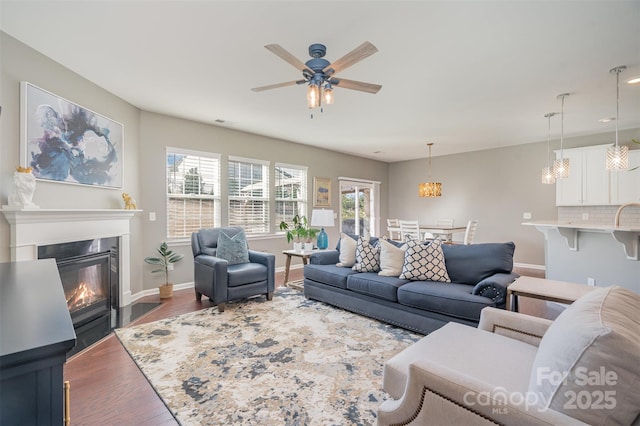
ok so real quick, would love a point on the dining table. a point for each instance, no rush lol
(444, 232)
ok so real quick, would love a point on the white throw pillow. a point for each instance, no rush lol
(367, 256)
(588, 362)
(347, 251)
(424, 262)
(391, 258)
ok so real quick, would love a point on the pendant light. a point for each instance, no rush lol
(430, 188)
(548, 177)
(561, 166)
(618, 156)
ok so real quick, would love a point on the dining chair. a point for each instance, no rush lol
(409, 227)
(394, 235)
(470, 232)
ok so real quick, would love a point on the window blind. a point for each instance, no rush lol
(248, 185)
(290, 192)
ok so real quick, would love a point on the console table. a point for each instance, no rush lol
(35, 335)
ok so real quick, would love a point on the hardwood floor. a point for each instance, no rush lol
(107, 388)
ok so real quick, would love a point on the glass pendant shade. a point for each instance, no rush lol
(561, 168)
(328, 95)
(618, 157)
(430, 189)
(313, 96)
(548, 176)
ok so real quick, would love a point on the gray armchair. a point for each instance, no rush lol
(221, 282)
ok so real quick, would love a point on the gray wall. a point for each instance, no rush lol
(494, 186)
(21, 63)
(160, 131)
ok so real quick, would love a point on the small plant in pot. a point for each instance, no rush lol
(300, 233)
(167, 257)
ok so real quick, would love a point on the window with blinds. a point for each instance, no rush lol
(248, 183)
(193, 192)
(290, 192)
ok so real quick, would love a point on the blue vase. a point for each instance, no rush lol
(323, 240)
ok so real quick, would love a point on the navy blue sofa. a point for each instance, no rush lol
(480, 274)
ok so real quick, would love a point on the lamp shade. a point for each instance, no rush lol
(322, 218)
(430, 189)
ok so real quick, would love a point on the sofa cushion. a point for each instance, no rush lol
(424, 262)
(449, 299)
(588, 361)
(498, 361)
(375, 285)
(367, 256)
(470, 264)
(328, 274)
(245, 273)
(391, 258)
(233, 248)
(347, 250)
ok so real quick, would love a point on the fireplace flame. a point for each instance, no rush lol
(82, 296)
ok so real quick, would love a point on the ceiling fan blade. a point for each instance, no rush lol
(361, 52)
(358, 85)
(284, 54)
(277, 85)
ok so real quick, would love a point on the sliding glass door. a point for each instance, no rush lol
(358, 207)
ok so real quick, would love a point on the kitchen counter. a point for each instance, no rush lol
(628, 236)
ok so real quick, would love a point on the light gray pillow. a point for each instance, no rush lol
(347, 251)
(588, 362)
(233, 249)
(391, 258)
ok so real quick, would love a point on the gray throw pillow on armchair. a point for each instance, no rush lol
(233, 249)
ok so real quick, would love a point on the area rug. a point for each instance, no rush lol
(289, 361)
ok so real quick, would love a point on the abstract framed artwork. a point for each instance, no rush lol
(68, 143)
(321, 192)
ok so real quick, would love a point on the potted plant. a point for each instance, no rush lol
(167, 257)
(300, 233)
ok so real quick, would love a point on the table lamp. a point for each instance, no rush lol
(322, 218)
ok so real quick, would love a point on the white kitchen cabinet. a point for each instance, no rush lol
(625, 184)
(588, 182)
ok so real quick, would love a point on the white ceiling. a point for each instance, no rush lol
(464, 75)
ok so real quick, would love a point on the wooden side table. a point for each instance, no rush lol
(305, 255)
(543, 289)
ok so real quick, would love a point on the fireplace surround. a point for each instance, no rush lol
(33, 228)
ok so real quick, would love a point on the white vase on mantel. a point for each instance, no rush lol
(297, 246)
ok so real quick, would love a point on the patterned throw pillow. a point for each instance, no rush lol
(367, 256)
(233, 249)
(424, 262)
(347, 251)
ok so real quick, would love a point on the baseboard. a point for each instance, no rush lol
(154, 291)
(530, 266)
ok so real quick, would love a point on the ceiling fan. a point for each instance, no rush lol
(318, 73)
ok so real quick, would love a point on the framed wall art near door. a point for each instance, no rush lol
(321, 192)
(68, 143)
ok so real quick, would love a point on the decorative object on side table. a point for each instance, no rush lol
(300, 234)
(22, 196)
(322, 218)
(167, 257)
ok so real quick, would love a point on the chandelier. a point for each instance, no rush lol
(430, 188)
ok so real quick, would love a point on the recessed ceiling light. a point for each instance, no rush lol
(634, 80)
(607, 120)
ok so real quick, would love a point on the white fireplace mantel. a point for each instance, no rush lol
(31, 228)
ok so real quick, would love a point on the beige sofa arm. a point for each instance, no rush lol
(526, 328)
(436, 395)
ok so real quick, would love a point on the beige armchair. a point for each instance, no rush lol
(516, 369)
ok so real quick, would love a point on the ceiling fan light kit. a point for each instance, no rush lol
(318, 73)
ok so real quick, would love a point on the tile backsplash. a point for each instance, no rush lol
(599, 215)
